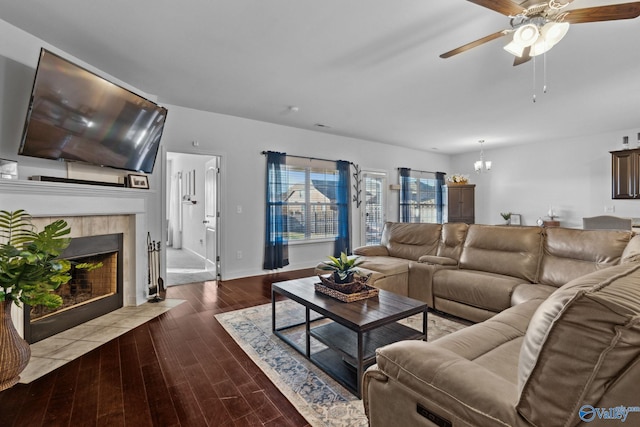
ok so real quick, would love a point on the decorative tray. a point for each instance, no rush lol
(366, 292)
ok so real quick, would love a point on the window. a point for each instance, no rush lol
(372, 222)
(421, 196)
(310, 204)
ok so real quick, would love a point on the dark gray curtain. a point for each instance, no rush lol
(276, 249)
(439, 195)
(342, 243)
(405, 195)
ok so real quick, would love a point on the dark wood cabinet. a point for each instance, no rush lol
(461, 203)
(625, 174)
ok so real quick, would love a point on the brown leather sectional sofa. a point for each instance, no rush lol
(476, 271)
(562, 350)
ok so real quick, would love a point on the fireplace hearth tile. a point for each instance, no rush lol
(39, 366)
(53, 352)
(106, 334)
(79, 332)
(75, 350)
(130, 322)
(49, 346)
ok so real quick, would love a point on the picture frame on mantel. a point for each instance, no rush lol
(515, 219)
(138, 181)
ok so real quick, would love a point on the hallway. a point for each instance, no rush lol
(185, 267)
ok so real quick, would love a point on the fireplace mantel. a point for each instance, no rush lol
(51, 199)
(25, 194)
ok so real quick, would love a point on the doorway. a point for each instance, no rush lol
(373, 214)
(193, 206)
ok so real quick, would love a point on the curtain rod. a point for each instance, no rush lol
(305, 157)
(417, 170)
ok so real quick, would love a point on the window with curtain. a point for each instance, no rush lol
(421, 196)
(315, 200)
(310, 204)
(276, 249)
(307, 200)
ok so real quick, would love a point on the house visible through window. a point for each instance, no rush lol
(421, 196)
(310, 204)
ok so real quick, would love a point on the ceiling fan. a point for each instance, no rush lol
(538, 26)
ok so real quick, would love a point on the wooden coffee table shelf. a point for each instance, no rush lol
(355, 331)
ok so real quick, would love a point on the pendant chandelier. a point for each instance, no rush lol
(482, 165)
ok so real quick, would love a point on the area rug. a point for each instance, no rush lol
(322, 401)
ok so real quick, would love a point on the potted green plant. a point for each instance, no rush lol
(506, 216)
(30, 271)
(343, 279)
(343, 267)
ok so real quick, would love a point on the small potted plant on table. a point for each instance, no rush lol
(344, 270)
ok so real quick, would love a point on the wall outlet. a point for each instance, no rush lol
(609, 209)
(239, 255)
(239, 209)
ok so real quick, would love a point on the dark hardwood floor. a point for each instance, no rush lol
(179, 369)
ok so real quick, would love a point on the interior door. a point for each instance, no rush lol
(212, 171)
(373, 214)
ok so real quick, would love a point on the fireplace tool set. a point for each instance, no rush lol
(157, 290)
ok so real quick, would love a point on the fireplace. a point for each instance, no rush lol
(89, 293)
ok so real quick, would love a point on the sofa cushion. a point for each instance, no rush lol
(510, 251)
(373, 250)
(453, 235)
(476, 288)
(529, 291)
(468, 377)
(631, 252)
(388, 266)
(437, 260)
(410, 240)
(580, 340)
(571, 253)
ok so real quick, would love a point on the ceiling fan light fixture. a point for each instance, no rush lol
(526, 35)
(550, 34)
(514, 49)
(553, 32)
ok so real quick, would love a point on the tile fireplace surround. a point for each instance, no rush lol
(89, 210)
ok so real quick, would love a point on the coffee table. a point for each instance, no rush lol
(354, 329)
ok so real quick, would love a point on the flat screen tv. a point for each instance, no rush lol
(76, 115)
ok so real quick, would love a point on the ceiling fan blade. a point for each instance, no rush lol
(528, 3)
(505, 7)
(474, 44)
(526, 57)
(603, 13)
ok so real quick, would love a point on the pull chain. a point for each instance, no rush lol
(544, 71)
(534, 79)
(544, 75)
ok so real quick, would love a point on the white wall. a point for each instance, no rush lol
(240, 142)
(572, 175)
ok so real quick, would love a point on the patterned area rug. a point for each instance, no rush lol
(319, 398)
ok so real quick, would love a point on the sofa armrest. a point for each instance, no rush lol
(438, 260)
(631, 252)
(529, 291)
(375, 250)
(412, 373)
(421, 280)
